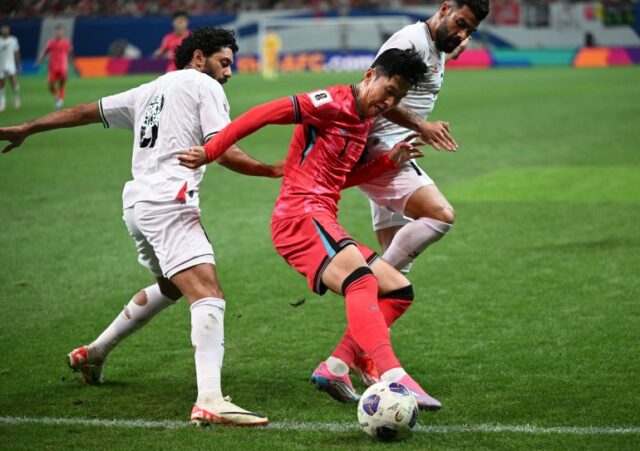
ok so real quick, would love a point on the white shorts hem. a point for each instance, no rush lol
(202, 259)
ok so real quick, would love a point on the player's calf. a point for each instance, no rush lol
(412, 239)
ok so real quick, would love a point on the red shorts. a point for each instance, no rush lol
(57, 75)
(309, 243)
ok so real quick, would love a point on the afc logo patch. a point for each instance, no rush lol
(320, 98)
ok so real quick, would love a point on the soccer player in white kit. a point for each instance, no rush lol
(9, 66)
(409, 213)
(174, 112)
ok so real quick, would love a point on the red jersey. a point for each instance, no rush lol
(327, 143)
(58, 50)
(169, 44)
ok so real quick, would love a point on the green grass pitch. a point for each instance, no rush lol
(527, 313)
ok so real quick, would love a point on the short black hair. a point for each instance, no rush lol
(208, 39)
(479, 8)
(408, 64)
(180, 14)
(59, 27)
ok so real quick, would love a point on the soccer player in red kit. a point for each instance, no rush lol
(58, 49)
(328, 141)
(171, 41)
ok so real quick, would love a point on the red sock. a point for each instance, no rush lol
(392, 309)
(347, 349)
(61, 93)
(367, 323)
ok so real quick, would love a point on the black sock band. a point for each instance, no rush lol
(355, 275)
(405, 294)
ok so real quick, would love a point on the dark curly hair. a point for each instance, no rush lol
(479, 8)
(408, 64)
(208, 39)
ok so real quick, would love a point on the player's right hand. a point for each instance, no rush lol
(405, 150)
(277, 169)
(15, 136)
(193, 158)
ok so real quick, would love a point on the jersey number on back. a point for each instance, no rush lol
(151, 123)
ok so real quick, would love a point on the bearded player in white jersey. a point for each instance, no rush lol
(409, 212)
(175, 111)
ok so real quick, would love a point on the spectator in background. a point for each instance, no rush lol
(172, 40)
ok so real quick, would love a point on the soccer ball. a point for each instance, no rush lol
(387, 411)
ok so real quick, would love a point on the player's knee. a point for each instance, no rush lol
(444, 213)
(168, 289)
(217, 292)
(403, 294)
(209, 289)
(360, 275)
(140, 298)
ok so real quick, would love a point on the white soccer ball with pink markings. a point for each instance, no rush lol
(387, 411)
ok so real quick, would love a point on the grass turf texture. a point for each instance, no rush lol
(527, 313)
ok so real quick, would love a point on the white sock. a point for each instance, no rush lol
(412, 239)
(337, 366)
(207, 337)
(132, 318)
(3, 100)
(16, 90)
(393, 375)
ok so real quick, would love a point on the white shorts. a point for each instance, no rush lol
(389, 192)
(7, 71)
(169, 236)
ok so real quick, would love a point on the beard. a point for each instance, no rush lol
(444, 42)
(210, 70)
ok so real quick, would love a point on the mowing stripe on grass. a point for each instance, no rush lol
(330, 427)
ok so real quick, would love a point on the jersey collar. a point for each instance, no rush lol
(354, 88)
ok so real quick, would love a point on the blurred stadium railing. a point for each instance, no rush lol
(118, 37)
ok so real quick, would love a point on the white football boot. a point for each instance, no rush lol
(80, 359)
(223, 411)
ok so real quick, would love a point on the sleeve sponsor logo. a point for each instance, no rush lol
(320, 98)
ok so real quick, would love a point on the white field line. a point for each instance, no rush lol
(332, 427)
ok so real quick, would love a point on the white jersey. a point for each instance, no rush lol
(178, 110)
(422, 98)
(8, 48)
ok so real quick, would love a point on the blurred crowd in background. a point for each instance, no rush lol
(503, 12)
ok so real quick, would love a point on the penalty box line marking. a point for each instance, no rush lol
(331, 427)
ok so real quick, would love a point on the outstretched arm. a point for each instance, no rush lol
(397, 156)
(436, 134)
(238, 161)
(278, 111)
(83, 114)
(42, 55)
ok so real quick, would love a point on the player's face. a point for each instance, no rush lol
(381, 93)
(455, 26)
(218, 65)
(180, 24)
(5, 31)
(59, 33)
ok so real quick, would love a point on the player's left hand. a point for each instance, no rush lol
(193, 158)
(405, 150)
(437, 135)
(15, 136)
